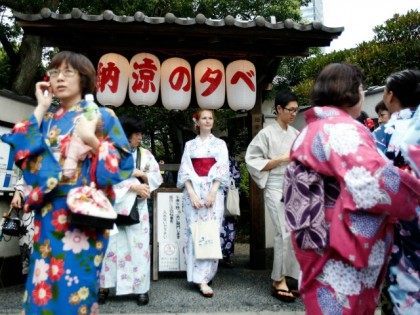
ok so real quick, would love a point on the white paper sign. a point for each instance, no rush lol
(170, 231)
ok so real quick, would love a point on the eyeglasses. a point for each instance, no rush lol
(68, 73)
(292, 110)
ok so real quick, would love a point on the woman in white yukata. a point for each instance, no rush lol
(126, 265)
(203, 173)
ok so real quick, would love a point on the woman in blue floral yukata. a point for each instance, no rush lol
(66, 259)
(401, 97)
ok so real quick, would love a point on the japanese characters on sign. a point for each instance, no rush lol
(112, 79)
(144, 81)
(210, 84)
(170, 231)
(176, 83)
(144, 76)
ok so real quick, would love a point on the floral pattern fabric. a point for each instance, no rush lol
(66, 260)
(202, 270)
(345, 279)
(126, 264)
(228, 230)
(403, 278)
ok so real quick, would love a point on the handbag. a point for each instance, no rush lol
(11, 224)
(232, 199)
(206, 239)
(133, 217)
(89, 206)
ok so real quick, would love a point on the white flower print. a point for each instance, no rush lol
(343, 138)
(377, 255)
(364, 188)
(75, 241)
(405, 113)
(341, 277)
(41, 271)
(300, 138)
(325, 112)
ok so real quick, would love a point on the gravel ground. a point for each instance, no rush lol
(237, 289)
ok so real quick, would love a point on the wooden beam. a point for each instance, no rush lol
(257, 238)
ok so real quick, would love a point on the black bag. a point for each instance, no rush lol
(11, 224)
(134, 216)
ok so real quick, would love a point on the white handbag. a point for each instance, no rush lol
(232, 200)
(206, 239)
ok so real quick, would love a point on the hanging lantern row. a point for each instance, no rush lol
(144, 76)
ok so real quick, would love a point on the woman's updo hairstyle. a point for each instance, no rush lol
(196, 116)
(405, 85)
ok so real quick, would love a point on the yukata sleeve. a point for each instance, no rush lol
(220, 170)
(40, 170)
(256, 159)
(115, 161)
(186, 171)
(381, 138)
(347, 152)
(154, 176)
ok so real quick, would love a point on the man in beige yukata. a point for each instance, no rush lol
(267, 157)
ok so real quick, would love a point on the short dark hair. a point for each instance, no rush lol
(337, 85)
(406, 87)
(380, 107)
(80, 63)
(283, 98)
(132, 125)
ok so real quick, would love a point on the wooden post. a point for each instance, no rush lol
(257, 238)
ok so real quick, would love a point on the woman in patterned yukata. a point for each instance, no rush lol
(126, 264)
(66, 260)
(203, 173)
(401, 97)
(342, 198)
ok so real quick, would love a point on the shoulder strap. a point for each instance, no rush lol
(138, 162)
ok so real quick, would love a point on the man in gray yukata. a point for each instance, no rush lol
(267, 157)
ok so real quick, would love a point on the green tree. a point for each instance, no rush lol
(395, 46)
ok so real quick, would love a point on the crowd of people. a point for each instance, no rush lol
(344, 201)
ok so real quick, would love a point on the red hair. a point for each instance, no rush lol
(196, 116)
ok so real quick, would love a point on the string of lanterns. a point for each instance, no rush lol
(144, 76)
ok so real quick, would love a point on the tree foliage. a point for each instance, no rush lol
(396, 46)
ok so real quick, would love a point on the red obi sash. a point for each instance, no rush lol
(202, 166)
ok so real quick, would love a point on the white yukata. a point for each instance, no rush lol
(126, 264)
(269, 143)
(202, 270)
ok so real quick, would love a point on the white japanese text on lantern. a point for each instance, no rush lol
(241, 82)
(144, 80)
(176, 83)
(209, 76)
(112, 79)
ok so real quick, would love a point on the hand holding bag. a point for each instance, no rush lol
(89, 206)
(11, 224)
(232, 199)
(132, 217)
(206, 239)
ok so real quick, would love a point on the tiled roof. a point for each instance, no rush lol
(200, 19)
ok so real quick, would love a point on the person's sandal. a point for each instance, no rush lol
(103, 296)
(280, 295)
(205, 290)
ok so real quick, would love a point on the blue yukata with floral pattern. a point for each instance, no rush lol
(404, 266)
(228, 231)
(66, 260)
